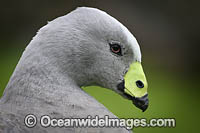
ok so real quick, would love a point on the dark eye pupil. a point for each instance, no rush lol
(115, 48)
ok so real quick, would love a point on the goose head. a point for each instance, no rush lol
(96, 49)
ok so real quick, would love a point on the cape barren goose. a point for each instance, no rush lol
(85, 47)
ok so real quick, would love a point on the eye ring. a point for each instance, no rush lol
(115, 48)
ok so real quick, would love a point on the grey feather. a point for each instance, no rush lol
(69, 52)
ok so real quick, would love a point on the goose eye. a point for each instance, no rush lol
(115, 48)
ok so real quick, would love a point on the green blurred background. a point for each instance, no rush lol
(168, 32)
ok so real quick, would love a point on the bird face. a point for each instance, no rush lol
(114, 56)
(120, 71)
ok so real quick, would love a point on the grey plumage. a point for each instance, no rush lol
(69, 52)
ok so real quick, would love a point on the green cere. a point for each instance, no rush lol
(134, 74)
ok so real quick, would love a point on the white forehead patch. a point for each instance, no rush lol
(133, 43)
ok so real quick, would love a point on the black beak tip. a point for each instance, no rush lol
(142, 103)
(144, 108)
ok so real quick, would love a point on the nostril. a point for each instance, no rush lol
(139, 84)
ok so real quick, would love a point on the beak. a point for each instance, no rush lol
(135, 86)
